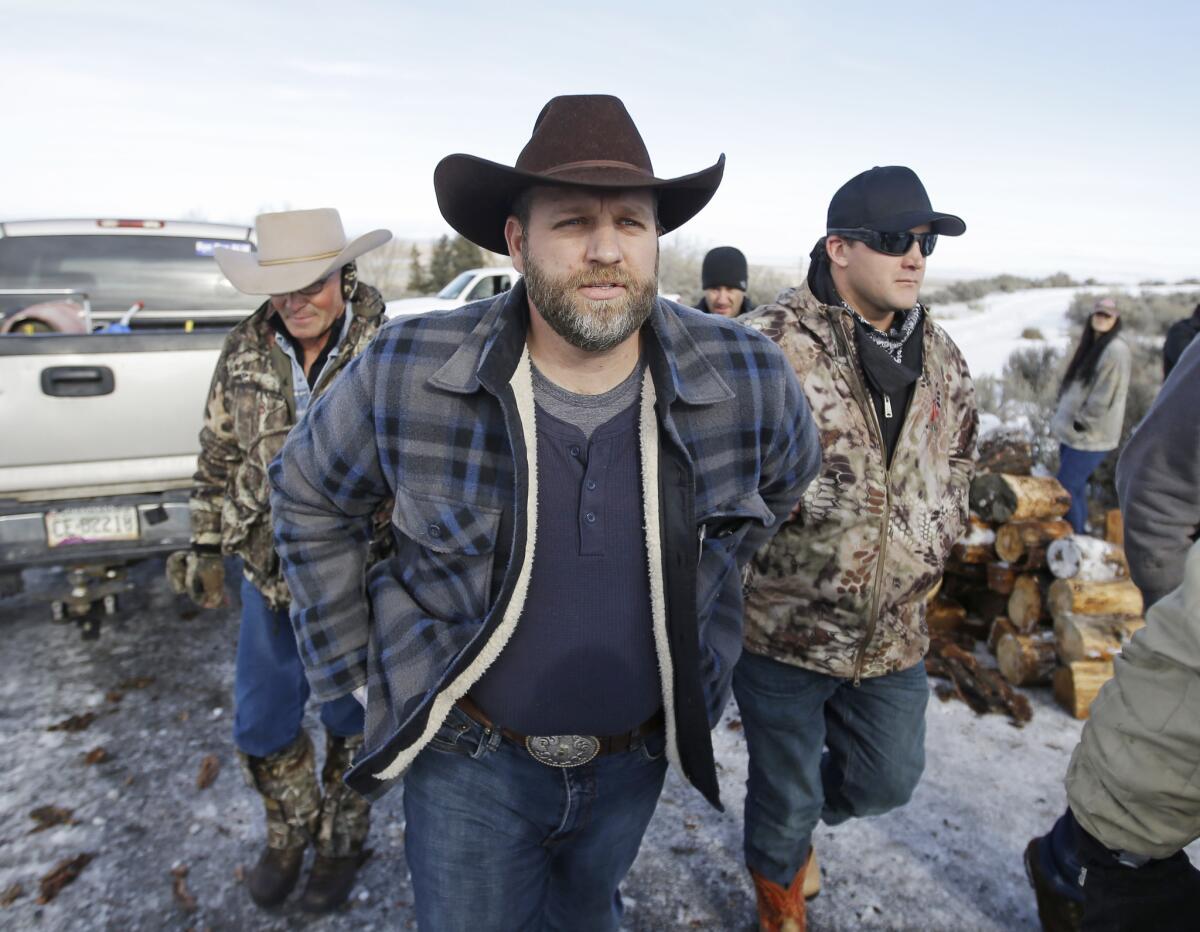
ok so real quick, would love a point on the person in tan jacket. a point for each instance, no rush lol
(831, 686)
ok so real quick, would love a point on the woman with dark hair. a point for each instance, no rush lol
(1091, 405)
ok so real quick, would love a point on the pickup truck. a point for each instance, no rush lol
(465, 287)
(101, 430)
(96, 271)
(101, 436)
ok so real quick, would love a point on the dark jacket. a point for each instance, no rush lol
(1158, 482)
(1180, 334)
(439, 412)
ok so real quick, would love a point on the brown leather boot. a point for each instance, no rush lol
(341, 831)
(781, 909)
(287, 783)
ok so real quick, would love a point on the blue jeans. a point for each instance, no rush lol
(497, 841)
(1075, 467)
(822, 749)
(269, 687)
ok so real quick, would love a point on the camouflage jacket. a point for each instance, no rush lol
(249, 412)
(841, 588)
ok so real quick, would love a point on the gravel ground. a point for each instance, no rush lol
(159, 680)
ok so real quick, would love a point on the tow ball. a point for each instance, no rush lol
(92, 594)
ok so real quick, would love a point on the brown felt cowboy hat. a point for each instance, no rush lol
(584, 140)
(295, 249)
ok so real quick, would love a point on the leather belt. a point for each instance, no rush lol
(565, 750)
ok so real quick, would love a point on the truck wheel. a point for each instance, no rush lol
(11, 583)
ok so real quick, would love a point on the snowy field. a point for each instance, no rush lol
(950, 860)
(989, 329)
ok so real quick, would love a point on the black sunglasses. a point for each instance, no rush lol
(892, 244)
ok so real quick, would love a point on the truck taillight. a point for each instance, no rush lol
(127, 224)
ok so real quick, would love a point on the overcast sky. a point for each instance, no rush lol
(1065, 134)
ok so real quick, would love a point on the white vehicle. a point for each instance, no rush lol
(468, 286)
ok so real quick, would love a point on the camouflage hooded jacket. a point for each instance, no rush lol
(841, 588)
(249, 412)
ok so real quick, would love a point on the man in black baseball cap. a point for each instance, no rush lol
(831, 685)
(725, 278)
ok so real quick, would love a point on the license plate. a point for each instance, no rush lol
(89, 525)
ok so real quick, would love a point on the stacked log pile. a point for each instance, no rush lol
(1054, 608)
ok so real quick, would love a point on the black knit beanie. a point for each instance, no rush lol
(725, 266)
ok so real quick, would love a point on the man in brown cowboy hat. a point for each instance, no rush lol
(317, 318)
(580, 471)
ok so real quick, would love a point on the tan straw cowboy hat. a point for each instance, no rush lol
(585, 140)
(295, 249)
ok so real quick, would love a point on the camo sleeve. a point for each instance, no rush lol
(219, 457)
(963, 453)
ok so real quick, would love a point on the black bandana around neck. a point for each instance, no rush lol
(890, 341)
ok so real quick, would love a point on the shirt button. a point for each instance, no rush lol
(591, 485)
(435, 531)
(590, 517)
(574, 450)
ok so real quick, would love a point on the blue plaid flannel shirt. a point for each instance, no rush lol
(427, 414)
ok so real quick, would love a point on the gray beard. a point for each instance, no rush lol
(591, 329)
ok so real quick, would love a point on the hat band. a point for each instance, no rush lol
(595, 163)
(289, 261)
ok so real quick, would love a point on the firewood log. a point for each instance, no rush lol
(977, 543)
(1086, 558)
(1076, 685)
(957, 573)
(983, 604)
(1000, 578)
(1114, 527)
(1027, 603)
(944, 614)
(1001, 498)
(1006, 451)
(981, 688)
(1000, 627)
(1025, 542)
(1093, 637)
(1094, 598)
(1026, 659)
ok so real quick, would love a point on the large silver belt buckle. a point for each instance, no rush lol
(562, 750)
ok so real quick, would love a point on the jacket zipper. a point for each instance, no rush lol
(864, 400)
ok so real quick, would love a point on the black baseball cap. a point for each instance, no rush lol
(888, 199)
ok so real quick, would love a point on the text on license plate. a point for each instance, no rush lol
(87, 525)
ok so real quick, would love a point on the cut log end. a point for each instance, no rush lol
(1076, 685)
(1026, 660)
(1001, 498)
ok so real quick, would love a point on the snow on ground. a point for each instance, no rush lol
(950, 860)
(989, 329)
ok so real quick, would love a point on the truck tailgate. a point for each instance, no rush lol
(101, 410)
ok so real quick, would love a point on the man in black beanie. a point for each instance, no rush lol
(724, 276)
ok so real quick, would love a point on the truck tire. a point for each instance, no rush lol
(11, 583)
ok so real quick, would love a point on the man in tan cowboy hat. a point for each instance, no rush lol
(317, 317)
(580, 471)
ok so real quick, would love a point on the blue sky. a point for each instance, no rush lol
(1065, 134)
